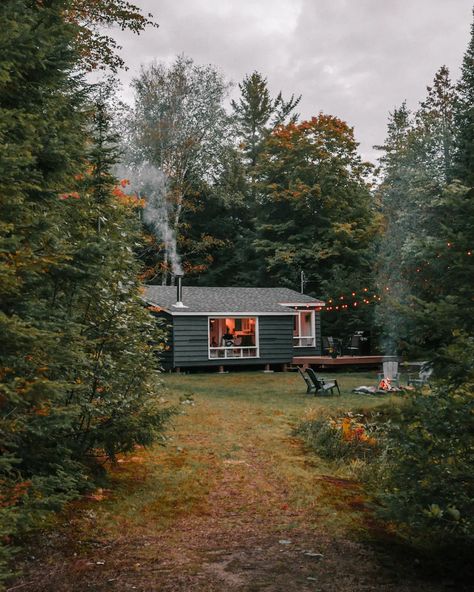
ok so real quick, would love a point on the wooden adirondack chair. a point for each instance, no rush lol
(309, 385)
(423, 376)
(320, 384)
(390, 371)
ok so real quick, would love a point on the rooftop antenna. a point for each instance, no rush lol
(303, 281)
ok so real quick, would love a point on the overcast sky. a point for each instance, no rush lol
(357, 59)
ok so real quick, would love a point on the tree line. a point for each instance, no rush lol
(254, 195)
(249, 194)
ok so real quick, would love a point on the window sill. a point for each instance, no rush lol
(234, 353)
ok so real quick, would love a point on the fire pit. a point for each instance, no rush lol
(389, 376)
(385, 384)
(387, 380)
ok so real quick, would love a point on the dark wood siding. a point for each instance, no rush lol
(190, 344)
(276, 338)
(319, 337)
(190, 341)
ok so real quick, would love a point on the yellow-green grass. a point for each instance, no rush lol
(283, 389)
(231, 477)
(243, 422)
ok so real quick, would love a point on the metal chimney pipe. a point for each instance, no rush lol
(179, 290)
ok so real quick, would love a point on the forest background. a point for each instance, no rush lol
(250, 195)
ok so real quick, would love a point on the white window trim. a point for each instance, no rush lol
(299, 337)
(232, 349)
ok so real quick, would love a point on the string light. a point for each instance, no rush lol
(344, 305)
(376, 297)
(354, 304)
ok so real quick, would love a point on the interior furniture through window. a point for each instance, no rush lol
(233, 337)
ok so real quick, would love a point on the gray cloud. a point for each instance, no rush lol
(357, 59)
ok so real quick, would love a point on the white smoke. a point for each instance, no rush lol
(151, 183)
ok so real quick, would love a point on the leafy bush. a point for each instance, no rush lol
(347, 436)
(418, 460)
(424, 479)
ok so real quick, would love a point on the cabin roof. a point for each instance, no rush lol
(197, 299)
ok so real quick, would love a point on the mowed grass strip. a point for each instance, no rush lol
(237, 424)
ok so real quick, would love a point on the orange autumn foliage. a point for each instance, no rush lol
(125, 199)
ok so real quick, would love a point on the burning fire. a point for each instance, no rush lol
(385, 384)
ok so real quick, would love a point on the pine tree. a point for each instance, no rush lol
(464, 156)
(399, 222)
(256, 114)
(436, 126)
(426, 252)
(40, 122)
(76, 368)
(440, 258)
(115, 402)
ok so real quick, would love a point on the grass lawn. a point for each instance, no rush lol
(232, 502)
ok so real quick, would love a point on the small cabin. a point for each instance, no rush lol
(228, 327)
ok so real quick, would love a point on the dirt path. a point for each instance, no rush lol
(231, 504)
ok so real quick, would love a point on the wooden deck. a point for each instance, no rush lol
(329, 362)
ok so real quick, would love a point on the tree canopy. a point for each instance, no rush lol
(426, 198)
(179, 128)
(78, 371)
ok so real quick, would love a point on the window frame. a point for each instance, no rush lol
(297, 338)
(233, 348)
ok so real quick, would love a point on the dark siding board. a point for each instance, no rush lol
(319, 341)
(275, 335)
(190, 335)
(191, 347)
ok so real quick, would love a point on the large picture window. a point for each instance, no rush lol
(233, 337)
(304, 329)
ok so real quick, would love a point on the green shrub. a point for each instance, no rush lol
(418, 459)
(424, 479)
(345, 436)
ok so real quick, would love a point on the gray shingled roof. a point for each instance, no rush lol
(222, 300)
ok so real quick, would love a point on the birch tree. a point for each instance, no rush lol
(178, 125)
